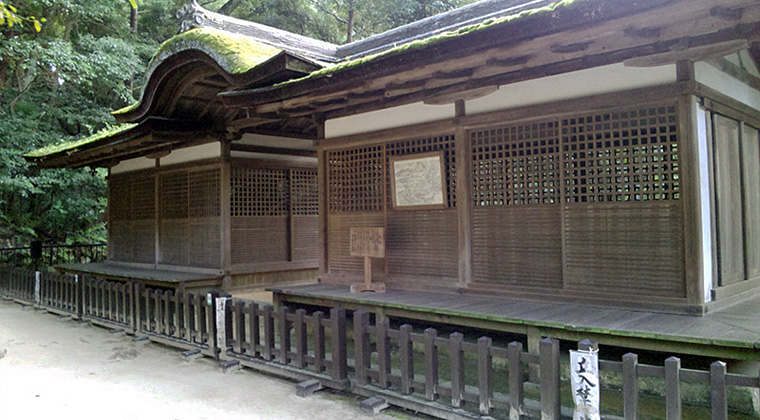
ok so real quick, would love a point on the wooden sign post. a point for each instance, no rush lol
(368, 243)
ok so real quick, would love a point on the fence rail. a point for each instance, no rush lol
(53, 254)
(447, 376)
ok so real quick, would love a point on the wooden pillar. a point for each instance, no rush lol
(109, 226)
(225, 203)
(464, 197)
(690, 180)
(157, 214)
(322, 194)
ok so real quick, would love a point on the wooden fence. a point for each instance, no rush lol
(446, 376)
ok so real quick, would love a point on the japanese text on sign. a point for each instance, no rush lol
(368, 242)
(584, 378)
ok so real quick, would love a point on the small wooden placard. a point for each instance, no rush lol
(367, 242)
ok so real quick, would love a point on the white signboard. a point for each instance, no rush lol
(418, 181)
(584, 379)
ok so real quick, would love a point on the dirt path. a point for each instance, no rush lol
(57, 369)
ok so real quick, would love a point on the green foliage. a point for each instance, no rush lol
(55, 85)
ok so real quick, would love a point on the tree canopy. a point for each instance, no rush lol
(65, 64)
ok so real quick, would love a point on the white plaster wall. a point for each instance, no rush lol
(704, 198)
(713, 78)
(271, 157)
(190, 154)
(399, 116)
(133, 165)
(274, 141)
(612, 78)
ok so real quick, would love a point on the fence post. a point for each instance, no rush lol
(407, 360)
(268, 332)
(319, 341)
(339, 350)
(284, 334)
(239, 335)
(630, 386)
(361, 347)
(37, 277)
(221, 325)
(211, 323)
(673, 388)
(383, 353)
(516, 377)
(718, 391)
(485, 384)
(431, 365)
(457, 369)
(301, 338)
(253, 328)
(549, 368)
(138, 303)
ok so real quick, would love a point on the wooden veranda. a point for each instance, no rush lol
(729, 333)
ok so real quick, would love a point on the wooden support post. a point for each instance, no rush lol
(319, 341)
(407, 358)
(534, 338)
(431, 365)
(284, 333)
(457, 369)
(516, 379)
(168, 295)
(383, 354)
(197, 307)
(549, 365)
(225, 212)
(300, 329)
(630, 386)
(485, 383)
(673, 388)
(210, 324)
(361, 347)
(464, 203)
(718, 400)
(338, 349)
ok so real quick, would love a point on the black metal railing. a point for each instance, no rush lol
(53, 254)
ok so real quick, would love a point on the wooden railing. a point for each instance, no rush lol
(447, 376)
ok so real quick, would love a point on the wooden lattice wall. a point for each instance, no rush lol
(189, 228)
(132, 218)
(273, 214)
(422, 243)
(588, 203)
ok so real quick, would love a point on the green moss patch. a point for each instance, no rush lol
(71, 146)
(236, 54)
(427, 42)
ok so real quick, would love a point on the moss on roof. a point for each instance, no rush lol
(426, 42)
(71, 146)
(236, 54)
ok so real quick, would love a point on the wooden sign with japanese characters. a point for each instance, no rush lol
(367, 242)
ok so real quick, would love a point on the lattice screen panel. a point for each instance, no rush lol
(204, 193)
(143, 197)
(304, 191)
(356, 179)
(174, 195)
(516, 165)
(119, 199)
(259, 192)
(629, 155)
(443, 143)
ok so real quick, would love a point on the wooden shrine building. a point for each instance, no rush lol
(582, 152)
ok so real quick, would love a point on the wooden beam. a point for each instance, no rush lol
(701, 53)
(737, 72)
(241, 124)
(250, 148)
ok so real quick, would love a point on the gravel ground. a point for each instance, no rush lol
(60, 369)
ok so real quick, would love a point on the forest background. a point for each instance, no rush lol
(66, 64)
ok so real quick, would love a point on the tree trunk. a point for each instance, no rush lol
(133, 19)
(350, 23)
